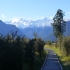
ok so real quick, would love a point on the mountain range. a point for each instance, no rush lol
(21, 23)
(8, 28)
(42, 27)
(28, 27)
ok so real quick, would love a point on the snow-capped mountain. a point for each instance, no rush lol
(42, 27)
(21, 23)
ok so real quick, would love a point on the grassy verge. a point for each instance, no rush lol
(64, 60)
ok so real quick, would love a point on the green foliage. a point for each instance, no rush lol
(30, 53)
(64, 60)
(19, 53)
(58, 24)
(35, 35)
(66, 46)
(11, 53)
(39, 44)
(49, 43)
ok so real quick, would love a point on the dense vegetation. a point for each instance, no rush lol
(62, 43)
(20, 53)
(59, 27)
(63, 58)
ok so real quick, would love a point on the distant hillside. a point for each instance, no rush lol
(6, 28)
(41, 31)
(51, 36)
(42, 27)
(67, 33)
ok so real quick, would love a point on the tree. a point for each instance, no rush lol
(35, 35)
(59, 24)
(11, 52)
(39, 44)
(30, 53)
(40, 47)
(49, 43)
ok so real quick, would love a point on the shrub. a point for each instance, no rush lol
(66, 46)
(49, 43)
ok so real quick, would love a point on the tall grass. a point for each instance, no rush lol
(64, 60)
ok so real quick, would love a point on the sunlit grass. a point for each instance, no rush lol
(57, 50)
(64, 60)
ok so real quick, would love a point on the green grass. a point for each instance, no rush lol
(64, 60)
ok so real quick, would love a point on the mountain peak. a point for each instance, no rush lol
(21, 23)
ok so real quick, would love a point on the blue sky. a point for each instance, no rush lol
(32, 9)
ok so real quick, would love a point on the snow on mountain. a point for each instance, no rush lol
(42, 27)
(21, 23)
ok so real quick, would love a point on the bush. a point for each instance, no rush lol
(66, 46)
(49, 43)
(18, 53)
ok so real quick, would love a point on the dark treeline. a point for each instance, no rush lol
(19, 53)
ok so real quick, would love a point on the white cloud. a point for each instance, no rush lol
(3, 16)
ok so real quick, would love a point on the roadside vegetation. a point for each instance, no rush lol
(20, 53)
(61, 44)
(63, 58)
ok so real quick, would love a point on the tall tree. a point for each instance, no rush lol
(35, 35)
(59, 24)
(40, 47)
